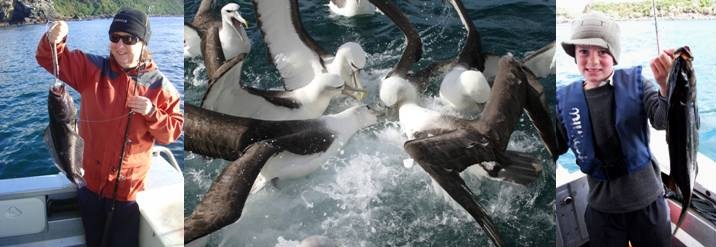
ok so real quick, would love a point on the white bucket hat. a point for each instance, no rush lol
(594, 29)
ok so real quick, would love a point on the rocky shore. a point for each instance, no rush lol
(26, 11)
(17, 12)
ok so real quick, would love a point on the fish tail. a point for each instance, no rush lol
(684, 208)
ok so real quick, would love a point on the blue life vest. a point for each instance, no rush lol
(630, 122)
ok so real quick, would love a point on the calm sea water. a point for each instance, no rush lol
(639, 46)
(365, 196)
(23, 98)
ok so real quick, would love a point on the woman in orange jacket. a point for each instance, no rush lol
(111, 87)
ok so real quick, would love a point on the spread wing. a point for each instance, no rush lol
(223, 204)
(296, 55)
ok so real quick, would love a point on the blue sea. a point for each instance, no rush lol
(638, 41)
(23, 98)
(365, 196)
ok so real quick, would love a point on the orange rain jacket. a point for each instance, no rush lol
(104, 88)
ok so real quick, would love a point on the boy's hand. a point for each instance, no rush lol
(660, 67)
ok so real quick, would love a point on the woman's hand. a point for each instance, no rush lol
(141, 105)
(58, 31)
(660, 67)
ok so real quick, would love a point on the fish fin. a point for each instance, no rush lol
(78, 174)
(697, 117)
(518, 167)
(47, 137)
(668, 182)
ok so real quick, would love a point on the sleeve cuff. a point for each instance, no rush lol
(152, 116)
(664, 98)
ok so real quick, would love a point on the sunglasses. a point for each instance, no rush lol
(126, 39)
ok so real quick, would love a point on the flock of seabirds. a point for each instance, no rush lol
(283, 134)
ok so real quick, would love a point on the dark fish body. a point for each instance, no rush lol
(61, 137)
(682, 128)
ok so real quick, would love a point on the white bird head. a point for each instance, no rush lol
(230, 15)
(396, 90)
(349, 61)
(353, 53)
(475, 86)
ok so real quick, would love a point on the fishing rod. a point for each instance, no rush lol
(110, 214)
(656, 26)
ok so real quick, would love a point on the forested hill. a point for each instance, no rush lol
(39, 11)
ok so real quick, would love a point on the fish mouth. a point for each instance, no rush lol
(684, 52)
(58, 88)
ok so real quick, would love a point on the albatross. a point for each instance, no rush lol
(276, 149)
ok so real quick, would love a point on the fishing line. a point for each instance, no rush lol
(55, 63)
(56, 73)
(656, 27)
(103, 121)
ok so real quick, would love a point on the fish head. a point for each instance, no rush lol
(684, 52)
(60, 105)
(682, 78)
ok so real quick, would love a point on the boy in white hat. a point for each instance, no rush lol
(603, 119)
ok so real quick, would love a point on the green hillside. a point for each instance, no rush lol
(85, 8)
(663, 7)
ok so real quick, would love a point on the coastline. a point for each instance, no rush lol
(83, 18)
(564, 18)
(638, 10)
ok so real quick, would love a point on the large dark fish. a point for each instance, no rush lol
(682, 128)
(65, 145)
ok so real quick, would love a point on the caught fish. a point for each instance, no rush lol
(682, 128)
(65, 145)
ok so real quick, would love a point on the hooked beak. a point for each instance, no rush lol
(242, 20)
(237, 22)
(354, 87)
